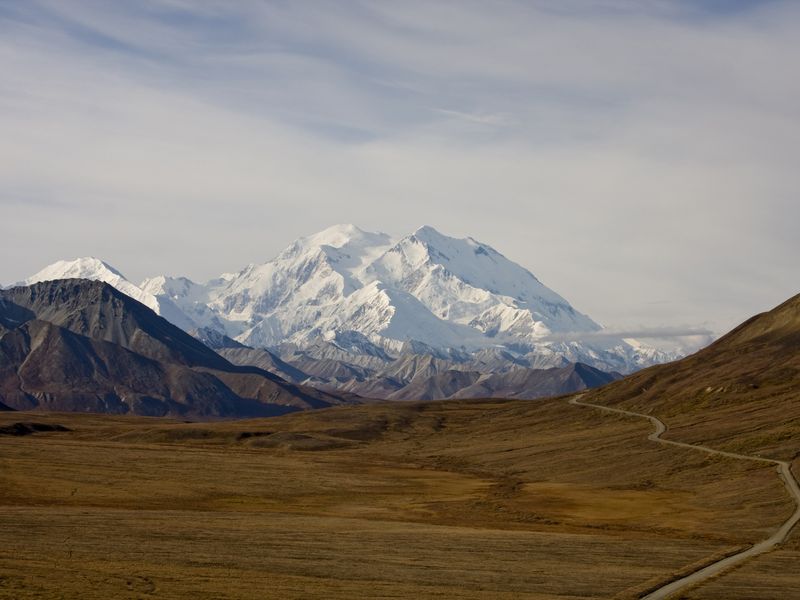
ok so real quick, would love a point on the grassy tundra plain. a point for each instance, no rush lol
(454, 499)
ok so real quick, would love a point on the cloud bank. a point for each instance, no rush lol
(638, 157)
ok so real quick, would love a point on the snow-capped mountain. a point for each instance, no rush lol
(96, 269)
(367, 293)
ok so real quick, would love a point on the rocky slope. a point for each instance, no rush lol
(424, 377)
(80, 345)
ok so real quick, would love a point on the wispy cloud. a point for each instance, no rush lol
(492, 119)
(646, 333)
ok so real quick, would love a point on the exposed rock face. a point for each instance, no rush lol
(79, 345)
(425, 377)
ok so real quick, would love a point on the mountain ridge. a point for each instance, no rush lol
(83, 345)
(425, 289)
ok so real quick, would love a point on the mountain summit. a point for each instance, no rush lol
(95, 269)
(368, 293)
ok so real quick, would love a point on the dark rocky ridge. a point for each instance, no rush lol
(79, 345)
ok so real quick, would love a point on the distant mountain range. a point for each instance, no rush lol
(340, 317)
(421, 376)
(356, 303)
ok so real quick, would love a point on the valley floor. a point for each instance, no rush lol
(481, 499)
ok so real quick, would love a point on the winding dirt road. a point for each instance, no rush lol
(715, 568)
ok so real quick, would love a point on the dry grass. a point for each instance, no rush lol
(768, 577)
(450, 499)
(740, 394)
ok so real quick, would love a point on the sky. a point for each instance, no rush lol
(640, 157)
